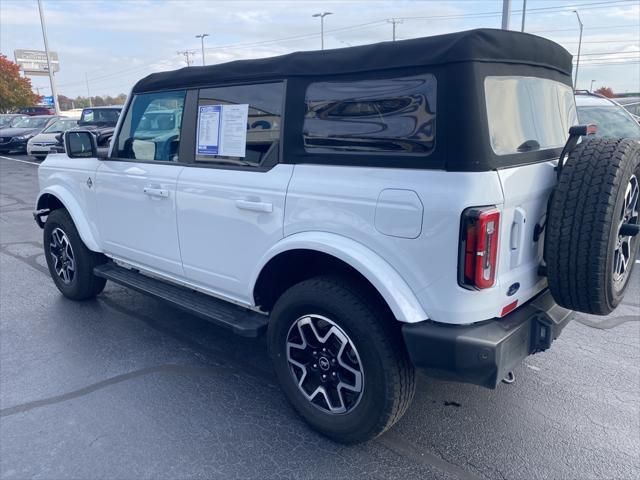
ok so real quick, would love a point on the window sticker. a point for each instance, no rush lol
(222, 130)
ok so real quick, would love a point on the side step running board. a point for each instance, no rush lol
(242, 321)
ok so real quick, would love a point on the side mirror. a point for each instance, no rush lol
(80, 144)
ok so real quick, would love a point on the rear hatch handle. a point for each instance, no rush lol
(516, 239)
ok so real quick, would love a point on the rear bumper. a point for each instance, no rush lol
(484, 353)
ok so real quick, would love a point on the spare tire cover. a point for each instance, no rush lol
(589, 258)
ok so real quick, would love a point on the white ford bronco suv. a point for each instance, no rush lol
(427, 203)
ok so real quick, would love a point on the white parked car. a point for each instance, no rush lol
(372, 209)
(40, 145)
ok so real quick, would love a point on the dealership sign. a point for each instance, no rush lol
(34, 62)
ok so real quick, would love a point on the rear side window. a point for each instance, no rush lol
(527, 113)
(261, 103)
(383, 116)
(151, 129)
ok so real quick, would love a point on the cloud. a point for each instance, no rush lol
(116, 42)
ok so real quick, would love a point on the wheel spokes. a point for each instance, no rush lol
(62, 255)
(325, 364)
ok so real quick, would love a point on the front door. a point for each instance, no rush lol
(136, 186)
(231, 199)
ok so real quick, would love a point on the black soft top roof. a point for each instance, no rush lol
(480, 45)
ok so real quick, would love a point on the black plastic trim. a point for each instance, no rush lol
(484, 353)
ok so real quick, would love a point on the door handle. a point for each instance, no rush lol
(517, 236)
(254, 206)
(156, 192)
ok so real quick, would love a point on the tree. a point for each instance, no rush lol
(605, 91)
(15, 91)
(65, 103)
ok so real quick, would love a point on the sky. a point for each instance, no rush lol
(113, 43)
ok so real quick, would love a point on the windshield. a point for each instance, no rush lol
(528, 113)
(32, 122)
(612, 121)
(61, 126)
(99, 116)
(5, 120)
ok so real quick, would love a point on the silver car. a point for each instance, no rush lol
(40, 145)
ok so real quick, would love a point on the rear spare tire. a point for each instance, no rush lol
(589, 254)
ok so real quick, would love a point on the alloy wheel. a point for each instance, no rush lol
(325, 364)
(625, 244)
(62, 255)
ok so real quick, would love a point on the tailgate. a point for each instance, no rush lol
(526, 190)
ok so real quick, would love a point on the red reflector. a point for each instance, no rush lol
(509, 308)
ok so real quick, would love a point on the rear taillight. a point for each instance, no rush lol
(478, 256)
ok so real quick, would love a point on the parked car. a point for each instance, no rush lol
(39, 145)
(10, 119)
(610, 117)
(101, 121)
(373, 209)
(31, 111)
(16, 137)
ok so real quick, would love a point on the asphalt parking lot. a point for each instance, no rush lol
(126, 387)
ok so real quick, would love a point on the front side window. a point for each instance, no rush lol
(527, 113)
(383, 116)
(239, 124)
(151, 129)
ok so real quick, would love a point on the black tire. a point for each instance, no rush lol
(82, 284)
(583, 225)
(388, 376)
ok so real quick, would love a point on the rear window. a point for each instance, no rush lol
(381, 116)
(612, 121)
(527, 113)
(99, 116)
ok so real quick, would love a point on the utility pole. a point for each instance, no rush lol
(506, 14)
(201, 37)
(394, 22)
(524, 12)
(575, 80)
(187, 55)
(52, 80)
(591, 88)
(321, 15)
(88, 92)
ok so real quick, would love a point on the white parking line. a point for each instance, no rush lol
(21, 161)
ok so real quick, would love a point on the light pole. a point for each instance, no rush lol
(88, 92)
(52, 80)
(591, 88)
(394, 21)
(201, 37)
(575, 80)
(321, 15)
(524, 12)
(506, 14)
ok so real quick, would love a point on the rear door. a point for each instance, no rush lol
(136, 187)
(231, 198)
(526, 114)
